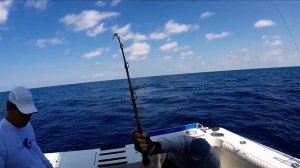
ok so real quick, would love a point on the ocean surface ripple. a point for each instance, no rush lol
(261, 104)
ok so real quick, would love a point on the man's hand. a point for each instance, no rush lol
(142, 142)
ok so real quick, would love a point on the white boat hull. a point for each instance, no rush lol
(234, 150)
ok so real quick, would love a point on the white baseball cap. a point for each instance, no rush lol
(22, 98)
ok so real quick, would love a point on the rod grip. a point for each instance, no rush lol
(146, 160)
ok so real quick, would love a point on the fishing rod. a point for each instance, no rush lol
(146, 160)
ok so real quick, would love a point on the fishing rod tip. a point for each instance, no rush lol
(115, 35)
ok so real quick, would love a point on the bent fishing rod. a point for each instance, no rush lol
(146, 160)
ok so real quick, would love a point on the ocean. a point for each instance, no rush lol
(260, 104)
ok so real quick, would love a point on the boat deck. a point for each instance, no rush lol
(234, 150)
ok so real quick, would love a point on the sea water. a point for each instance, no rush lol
(260, 104)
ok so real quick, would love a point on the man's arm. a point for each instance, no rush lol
(2, 154)
(143, 143)
(45, 161)
(43, 158)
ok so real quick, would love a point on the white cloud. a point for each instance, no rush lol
(168, 39)
(158, 35)
(206, 14)
(185, 54)
(4, 9)
(98, 75)
(41, 43)
(96, 30)
(96, 53)
(135, 37)
(172, 46)
(172, 27)
(121, 30)
(166, 58)
(275, 52)
(274, 41)
(138, 51)
(273, 56)
(126, 34)
(115, 2)
(239, 59)
(263, 23)
(100, 3)
(245, 49)
(245, 55)
(186, 47)
(276, 37)
(87, 19)
(114, 56)
(212, 36)
(38, 4)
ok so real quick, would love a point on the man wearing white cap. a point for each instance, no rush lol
(18, 146)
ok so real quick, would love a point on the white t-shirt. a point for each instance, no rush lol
(18, 147)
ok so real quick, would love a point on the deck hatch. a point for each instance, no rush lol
(118, 158)
(109, 153)
(113, 164)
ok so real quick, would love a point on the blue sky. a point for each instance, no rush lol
(45, 43)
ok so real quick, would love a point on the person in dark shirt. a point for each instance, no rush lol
(182, 151)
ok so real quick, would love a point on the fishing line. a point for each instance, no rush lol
(291, 36)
